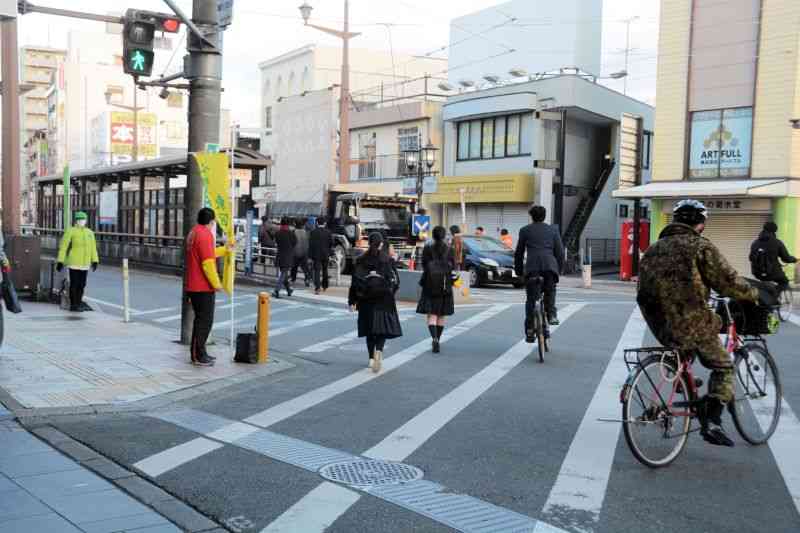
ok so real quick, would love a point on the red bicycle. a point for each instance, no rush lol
(660, 398)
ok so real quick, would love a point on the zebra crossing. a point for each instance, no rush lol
(504, 443)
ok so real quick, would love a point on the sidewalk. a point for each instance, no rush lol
(60, 360)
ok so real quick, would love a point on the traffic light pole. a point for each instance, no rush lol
(204, 118)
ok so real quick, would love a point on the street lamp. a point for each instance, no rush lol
(414, 159)
(344, 99)
(135, 109)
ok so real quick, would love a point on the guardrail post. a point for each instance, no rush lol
(263, 327)
(126, 294)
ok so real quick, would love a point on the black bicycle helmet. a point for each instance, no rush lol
(691, 212)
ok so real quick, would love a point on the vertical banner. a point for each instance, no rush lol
(67, 212)
(216, 195)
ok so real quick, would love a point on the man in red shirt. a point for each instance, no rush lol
(202, 281)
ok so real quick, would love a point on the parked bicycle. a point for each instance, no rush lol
(536, 327)
(660, 399)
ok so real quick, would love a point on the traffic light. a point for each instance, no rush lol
(138, 35)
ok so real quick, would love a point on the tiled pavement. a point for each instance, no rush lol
(42, 490)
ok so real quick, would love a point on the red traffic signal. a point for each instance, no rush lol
(170, 25)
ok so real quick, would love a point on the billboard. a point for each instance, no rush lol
(121, 132)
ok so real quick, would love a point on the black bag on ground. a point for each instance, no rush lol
(10, 295)
(437, 277)
(246, 348)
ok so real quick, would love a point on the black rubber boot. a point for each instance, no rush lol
(710, 414)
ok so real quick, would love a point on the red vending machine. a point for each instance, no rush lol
(626, 246)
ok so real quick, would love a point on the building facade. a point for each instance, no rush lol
(38, 64)
(497, 141)
(727, 89)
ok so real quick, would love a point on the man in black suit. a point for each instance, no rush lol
(545, 252)
(320, 251)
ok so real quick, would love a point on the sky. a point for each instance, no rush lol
(263, 29)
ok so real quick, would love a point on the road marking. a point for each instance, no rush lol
(303, 323)
(283, 307)
(154, 311)
(218, 325)
(109, 304)
(338, 341)
(321, 507)
(308, 400)
(583, 479)
(305, 401)
(157, 464)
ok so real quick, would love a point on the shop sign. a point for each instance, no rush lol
(720, 144)
(730, 205)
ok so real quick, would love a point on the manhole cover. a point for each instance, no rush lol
(369, 472)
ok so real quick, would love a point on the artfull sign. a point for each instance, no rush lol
(721, 143)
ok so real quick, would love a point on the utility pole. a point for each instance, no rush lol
(11, 126)
(627, 51)
(205, 87)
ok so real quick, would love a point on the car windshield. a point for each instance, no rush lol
(485, 244)
(387, 215)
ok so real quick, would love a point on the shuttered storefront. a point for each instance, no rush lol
(493, 217)
(733, 234)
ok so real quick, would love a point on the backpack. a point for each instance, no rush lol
(438, 277)
(372, 287)
(761, 263)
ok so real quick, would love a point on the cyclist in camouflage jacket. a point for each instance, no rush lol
(675, 278)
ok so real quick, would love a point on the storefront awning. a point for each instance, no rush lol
(774, 188)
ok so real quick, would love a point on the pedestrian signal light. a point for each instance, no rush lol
(139, 62)
(138, 37)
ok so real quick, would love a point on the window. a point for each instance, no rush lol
(268, 117)
(512, 136)
(475, 139)
(494, 138)
(366, 155)
(488, 139)
(720, 143)
(463, 140)
(647, 143)
(500, 137)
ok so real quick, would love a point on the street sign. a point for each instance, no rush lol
(225, 11)
(430, 185)
(212, 148)
(410, 186)
(421, 225)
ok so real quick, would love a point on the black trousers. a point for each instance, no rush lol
(301, 263)
(203, 307)
(375, 342)
(536, 283)
(321, 271)
(77, 284)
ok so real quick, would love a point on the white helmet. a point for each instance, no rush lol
(691, 212)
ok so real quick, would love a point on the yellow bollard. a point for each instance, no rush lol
(263, 327)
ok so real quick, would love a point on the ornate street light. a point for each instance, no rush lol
(429, 154)
(414, 160)
(305, 11)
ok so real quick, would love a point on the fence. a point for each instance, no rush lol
(603, 251)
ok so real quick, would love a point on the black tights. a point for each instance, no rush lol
(375, 342)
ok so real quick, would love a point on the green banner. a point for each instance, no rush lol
(67, 208)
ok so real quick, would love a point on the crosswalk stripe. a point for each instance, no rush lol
(338, 341)
(329, 501)
(783, 445)
(302, 324)
(292, 407)
(162, 462)
(305, 401)
(156, 311)
(794, 319)
(583, 479)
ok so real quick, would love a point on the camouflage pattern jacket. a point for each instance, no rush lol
(675, 278)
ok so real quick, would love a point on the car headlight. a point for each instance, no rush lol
(489, 262)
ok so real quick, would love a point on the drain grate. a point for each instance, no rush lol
(370, 473)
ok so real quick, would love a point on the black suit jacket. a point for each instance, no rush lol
(320, 244)
(542, 243)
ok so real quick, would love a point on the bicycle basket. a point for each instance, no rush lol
(750, 318)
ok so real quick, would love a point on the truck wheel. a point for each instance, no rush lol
(341, 259)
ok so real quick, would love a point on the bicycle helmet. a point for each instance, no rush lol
(691, 212)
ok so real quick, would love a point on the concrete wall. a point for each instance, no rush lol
(669, 155)
(546, 36)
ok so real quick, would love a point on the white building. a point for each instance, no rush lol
(535, 35)
(493, 139)
(316, 71)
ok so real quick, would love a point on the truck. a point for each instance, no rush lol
(355, 211)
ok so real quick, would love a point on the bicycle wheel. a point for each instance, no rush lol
(786, 304)
(656, 433)
(756, 407)
(539, 323)
(545, 328)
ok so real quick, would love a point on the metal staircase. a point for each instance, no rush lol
(582, 214)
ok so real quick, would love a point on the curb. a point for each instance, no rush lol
(167, 505)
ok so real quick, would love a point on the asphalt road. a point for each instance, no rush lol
(481, 419)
